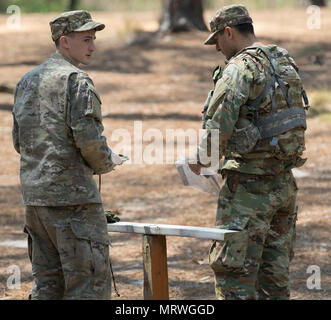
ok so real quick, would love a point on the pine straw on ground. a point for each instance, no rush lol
(163, 82)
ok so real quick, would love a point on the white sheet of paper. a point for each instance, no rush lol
(207, 183)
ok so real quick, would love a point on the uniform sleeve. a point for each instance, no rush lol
(85, 120)
(15, 129)
(230, 93)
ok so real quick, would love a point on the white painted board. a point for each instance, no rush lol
(170, 230)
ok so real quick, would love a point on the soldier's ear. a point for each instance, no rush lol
(64, 42)
(228, 31)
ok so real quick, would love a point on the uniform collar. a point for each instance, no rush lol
(60, 56)
(239, 52)
(243, 49)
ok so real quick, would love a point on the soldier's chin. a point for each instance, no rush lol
(87, 60)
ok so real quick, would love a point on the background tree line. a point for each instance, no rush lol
(62, 5)
(176, 15)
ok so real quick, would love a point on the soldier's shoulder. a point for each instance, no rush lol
(32, 75)
(277, 51)
(60, 66)
(80, 79)
(255, 58)
(243, 62)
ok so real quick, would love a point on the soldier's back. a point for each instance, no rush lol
(53, 171)
(279, 148)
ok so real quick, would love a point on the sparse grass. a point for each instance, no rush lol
(326, 117)
(151, 193)
(320, 102)
(311, 49)
(128, 28)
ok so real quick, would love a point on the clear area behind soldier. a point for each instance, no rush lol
(257, 109)
(58, 132)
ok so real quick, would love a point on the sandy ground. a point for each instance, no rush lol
(162, 84)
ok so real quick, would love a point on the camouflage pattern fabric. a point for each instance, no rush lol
(243, 79)
(58, 132)
(263, 209)
(69, 251)
(259, 191)
(73, 21)
(227, 16)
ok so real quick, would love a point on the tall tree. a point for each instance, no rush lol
(73, 4)
(182, 15)
(321, 3)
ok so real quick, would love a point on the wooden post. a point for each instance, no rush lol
(155, 267)
(155, 250)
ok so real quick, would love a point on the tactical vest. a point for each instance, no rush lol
(273, 124)
(217, 74)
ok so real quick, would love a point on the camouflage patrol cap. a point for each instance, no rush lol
(78, 20)
(228, 16)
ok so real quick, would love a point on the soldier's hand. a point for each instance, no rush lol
(195, 168)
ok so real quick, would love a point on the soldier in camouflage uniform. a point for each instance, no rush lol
(257, 109)
(58, 133)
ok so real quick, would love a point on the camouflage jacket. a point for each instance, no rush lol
(243, 79)
(57, 131)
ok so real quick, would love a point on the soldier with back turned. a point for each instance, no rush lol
(257, 107)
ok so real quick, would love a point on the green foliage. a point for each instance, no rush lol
(123, 5)
(3, 6)
(139, 5)
(209, 4)
(259, 4)
(37, 5)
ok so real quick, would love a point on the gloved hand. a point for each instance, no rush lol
(111, 217)
(118, 159)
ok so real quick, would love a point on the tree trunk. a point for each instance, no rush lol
(182, 15)
(73, 5)
(321, 3)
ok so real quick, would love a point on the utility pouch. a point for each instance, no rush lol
(205, 108)
(243, 140)
(229, 255)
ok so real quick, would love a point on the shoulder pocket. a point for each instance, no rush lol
(93, 108)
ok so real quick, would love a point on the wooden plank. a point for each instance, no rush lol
(155, 268)
(172, 230)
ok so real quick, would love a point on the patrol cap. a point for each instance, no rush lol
(228, 16)
(78, 20)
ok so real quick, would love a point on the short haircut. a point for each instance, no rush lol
(57, 42)
(244, 29)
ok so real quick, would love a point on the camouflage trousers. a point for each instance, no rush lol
(69, 252)
(264, 209)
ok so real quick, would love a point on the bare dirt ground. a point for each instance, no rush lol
(163, 83)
